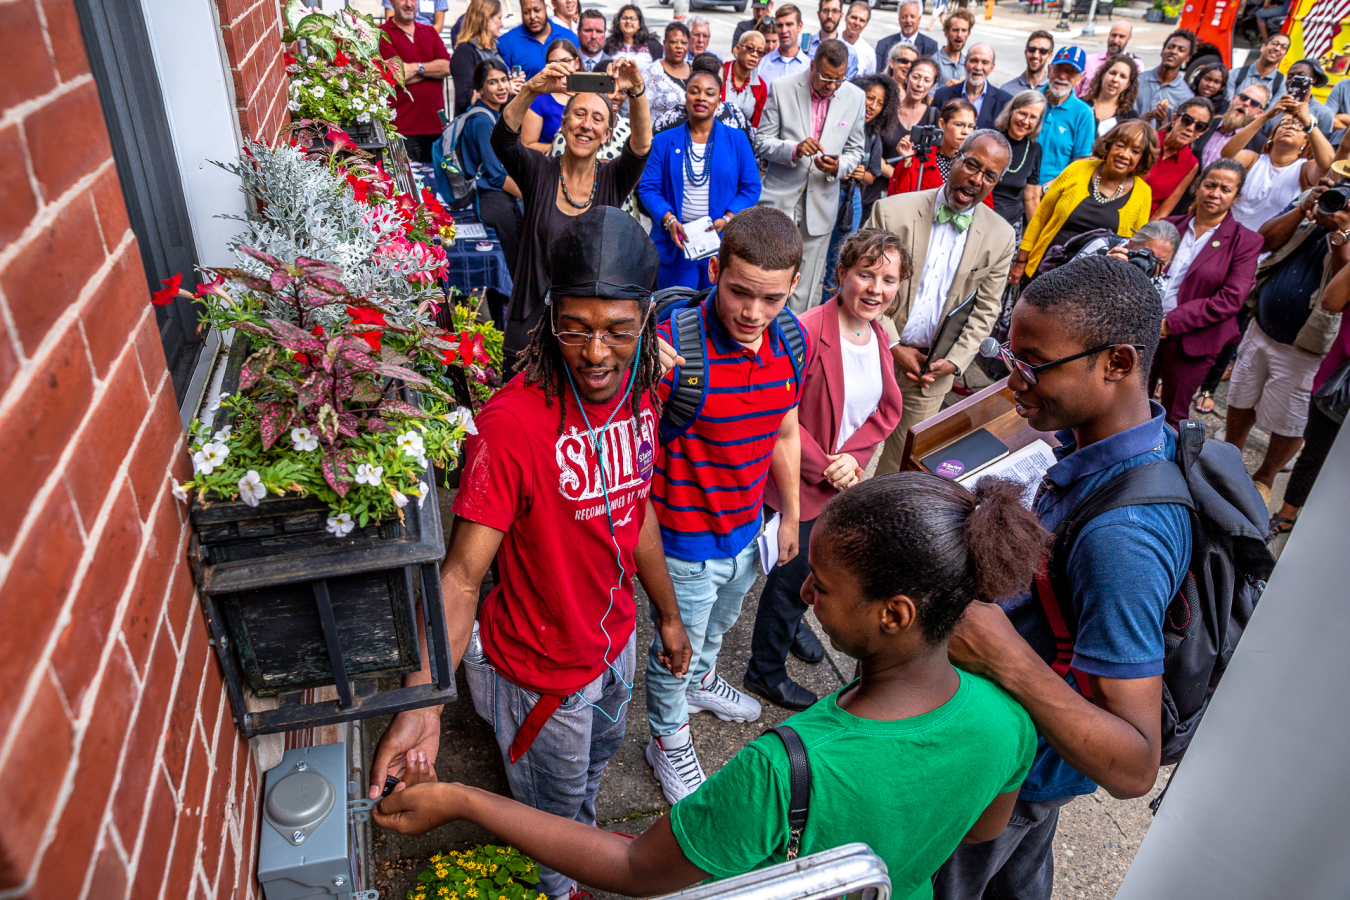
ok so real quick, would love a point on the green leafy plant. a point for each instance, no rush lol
(486, 872)
(337, 75)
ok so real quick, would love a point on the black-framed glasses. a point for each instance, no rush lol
(1039, 51)
(975, 170)
(1249, 101)
(1031, 374)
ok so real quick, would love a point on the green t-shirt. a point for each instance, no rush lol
(910, 789)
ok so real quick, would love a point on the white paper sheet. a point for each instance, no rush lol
(768, 543)
(701, 239)
(1027, 466)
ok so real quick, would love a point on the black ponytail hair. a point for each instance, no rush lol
(932, 540)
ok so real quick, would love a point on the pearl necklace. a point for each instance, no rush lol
(1097, 194)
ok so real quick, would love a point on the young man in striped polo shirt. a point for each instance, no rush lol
(708, 487)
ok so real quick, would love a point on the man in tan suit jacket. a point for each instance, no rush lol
(959, 246)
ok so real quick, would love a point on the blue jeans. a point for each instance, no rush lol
(831, 284)
(709, 594)
(560, 773)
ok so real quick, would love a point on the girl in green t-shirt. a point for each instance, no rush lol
(913, 758)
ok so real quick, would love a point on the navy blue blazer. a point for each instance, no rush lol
(735, 183)
(994, 101)
(922, 43)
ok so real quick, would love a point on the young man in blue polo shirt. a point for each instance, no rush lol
(1070, 127)
(526, 44)
(1080, 345)
(708, 488)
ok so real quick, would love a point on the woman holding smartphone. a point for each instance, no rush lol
(545, 113)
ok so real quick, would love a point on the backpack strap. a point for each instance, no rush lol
(1154, 482)
(795, 340)
(690, 379)
(799, 786)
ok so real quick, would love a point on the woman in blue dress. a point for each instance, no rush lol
(701, 168)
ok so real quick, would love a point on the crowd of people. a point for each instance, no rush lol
(736, 285)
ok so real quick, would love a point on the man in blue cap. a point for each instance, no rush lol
(1070, 127)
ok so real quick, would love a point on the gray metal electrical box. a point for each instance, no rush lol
(303, 850)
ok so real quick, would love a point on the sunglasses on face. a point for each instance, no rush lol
(1191, 121)
(1039, 51)
(1254, 104)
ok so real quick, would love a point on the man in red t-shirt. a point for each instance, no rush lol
(426, 63)
(555, 487)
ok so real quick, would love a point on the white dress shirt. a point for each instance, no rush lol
(867, 58)
(1190, 248)
(945, 246)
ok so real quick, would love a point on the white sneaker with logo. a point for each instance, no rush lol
(714, 695)
(675, 764)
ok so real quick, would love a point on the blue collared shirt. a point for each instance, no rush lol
(852, 71)
(520, 48)
(1151, 90)
(775, 66)
(1124, 570)
(1068, 133)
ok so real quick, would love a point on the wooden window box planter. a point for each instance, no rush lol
(290, 606)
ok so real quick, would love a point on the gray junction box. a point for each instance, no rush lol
(303, 850)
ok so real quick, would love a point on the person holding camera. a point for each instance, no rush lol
(928, 152)
(1282, 169)
(1106, 190)
(554, 191)
(701, 169)
(1151, 249)
(1290, 335)
(1207, 284)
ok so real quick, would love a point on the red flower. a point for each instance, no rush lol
(289, 58)
(471, 348)
(340, 139)
(341, 59)
(360, 187)
(165, 295)
(363, 316)
(211, 287)
(450, 357)
(304, 358)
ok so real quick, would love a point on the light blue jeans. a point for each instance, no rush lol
(560, 773)
(709, 594)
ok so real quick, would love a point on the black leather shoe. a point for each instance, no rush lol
(789, 694)
(806, 646)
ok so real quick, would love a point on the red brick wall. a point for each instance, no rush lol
(251, 30)
(123, 774)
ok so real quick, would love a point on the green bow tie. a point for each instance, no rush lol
(960, 221)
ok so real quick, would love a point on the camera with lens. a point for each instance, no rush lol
(1146, 260)
(925, 138)
(1334, 199)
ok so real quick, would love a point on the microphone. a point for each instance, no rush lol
(989, 348)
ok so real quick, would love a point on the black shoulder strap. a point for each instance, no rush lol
(686, 395)
(792, 334)
(1158, 481)
(1242, 74)
(799, 796)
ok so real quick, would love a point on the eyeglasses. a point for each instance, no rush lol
(1191, 121)
(608, 338)
(1039, 51)
(1030, 374)
(834, 81)
(975, 170)
(752, 49)
(1253, 103)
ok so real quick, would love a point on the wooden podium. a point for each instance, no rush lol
(992, 408)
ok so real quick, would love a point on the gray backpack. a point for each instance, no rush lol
(462, 182)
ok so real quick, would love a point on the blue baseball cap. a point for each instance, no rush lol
(1071, 56)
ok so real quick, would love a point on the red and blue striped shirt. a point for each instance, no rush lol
(708, 488)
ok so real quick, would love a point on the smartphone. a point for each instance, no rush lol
(1299, 87)
(590, 83)
(517, 72)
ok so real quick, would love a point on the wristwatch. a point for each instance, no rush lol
(421, 69)
(1338, 238)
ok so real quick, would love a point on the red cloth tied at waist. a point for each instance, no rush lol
(544, 707)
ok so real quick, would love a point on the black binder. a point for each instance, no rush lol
(953, 323)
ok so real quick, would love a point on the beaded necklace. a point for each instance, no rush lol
(1026, 148)
(595, 183)
(698, 179)
(1097, 194)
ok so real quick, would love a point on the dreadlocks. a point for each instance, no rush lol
(542, 362)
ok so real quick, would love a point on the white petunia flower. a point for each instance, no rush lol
(304, 440)
(318, 91)
(422, 497)
(179, 491)
(251, 488)
(400, 499)
(311, 59)
(368, 474)
(364, 118)
(411, 442)
(423, 461)
(223, 434)
(206, 459)
(340, 525)
(463, 416)
(293, 106)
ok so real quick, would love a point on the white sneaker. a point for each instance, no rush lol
(675, 764)
(714, 695)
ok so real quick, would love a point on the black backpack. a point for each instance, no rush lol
(681, 306)
(1230, 563)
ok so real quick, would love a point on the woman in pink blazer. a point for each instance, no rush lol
(1211, 274)
(850, 404)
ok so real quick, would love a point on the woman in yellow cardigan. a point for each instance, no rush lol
(1106, 190)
